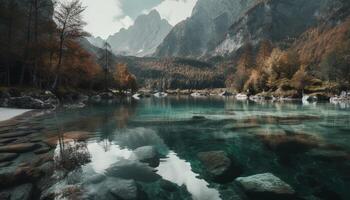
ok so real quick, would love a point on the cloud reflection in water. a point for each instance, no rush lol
(179, 171)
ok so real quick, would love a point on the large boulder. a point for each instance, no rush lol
(113, 188)
(147, 154)
(266, 186)
(219, 166)
(135, 170)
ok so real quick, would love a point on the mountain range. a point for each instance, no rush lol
(140, 39)
(217, 34)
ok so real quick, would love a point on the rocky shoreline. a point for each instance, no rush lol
(37, 99)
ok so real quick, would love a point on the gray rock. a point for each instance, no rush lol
(22, 192)
(266, 185)
(219, 166)
(28, 102)
(7, 156)
(7, 140)
(129, 169)
(122, 189)
(16, 134)
(5, 164)
(19, 148)
(148, 154)
(216, 162)
(112, 188)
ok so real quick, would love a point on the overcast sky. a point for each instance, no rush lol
(106, 17)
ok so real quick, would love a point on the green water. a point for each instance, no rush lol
(239, 128)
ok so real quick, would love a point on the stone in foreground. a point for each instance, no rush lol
(266, 186)
(148, 154)
(219, 166)
(19, 148)
(7, 156)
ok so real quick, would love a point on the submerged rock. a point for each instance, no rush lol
(329, 155)
(147, 154)
(113, 188)
(123, 189)
(22, 192)
(219, 166)
(265, 186)
(130, 169)
(19, 148)
(7, 156)
(289, 142)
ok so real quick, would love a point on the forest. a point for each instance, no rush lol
(317, 61)
(40, 48)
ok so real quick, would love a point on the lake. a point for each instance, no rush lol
(97, 152)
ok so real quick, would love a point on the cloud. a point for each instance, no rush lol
(107, 17)
(175, 10)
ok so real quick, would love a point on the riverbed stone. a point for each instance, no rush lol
(19, 148)
(131, 169)
(8, 156)
(219, 166)
(5, 164)
(22, 192)
(16, 134)
(7, 140)
(147, 154)
(265, 186)
(284, 142)
(329, 155)
(42, 150)
(123, 189)
(114, 188)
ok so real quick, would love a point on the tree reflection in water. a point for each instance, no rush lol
(69, 154)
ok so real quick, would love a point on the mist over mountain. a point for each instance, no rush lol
(142, 38)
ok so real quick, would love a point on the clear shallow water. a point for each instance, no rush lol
(244, 130)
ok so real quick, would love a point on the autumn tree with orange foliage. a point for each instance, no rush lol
(244, 66)
(124, 80)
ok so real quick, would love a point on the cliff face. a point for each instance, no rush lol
(142, 38)
(222, 27)
(273, 20)
(201, 32)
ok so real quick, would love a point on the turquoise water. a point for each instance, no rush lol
(307, 146)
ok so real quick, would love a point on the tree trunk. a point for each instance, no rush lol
(21, 80)
(60, 54)
(36, 12)
(9, 50)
